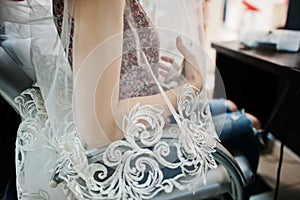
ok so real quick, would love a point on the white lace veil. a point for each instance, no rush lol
(161, 117)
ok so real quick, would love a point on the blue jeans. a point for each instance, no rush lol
(236, 131)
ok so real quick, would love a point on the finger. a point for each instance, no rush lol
(182, 48)
(163, 73)
(167, 59)
(164, 67)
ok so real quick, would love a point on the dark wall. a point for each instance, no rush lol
(293, 15)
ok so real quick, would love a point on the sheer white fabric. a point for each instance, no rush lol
(59, 111)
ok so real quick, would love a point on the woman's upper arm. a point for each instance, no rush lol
(95, 21)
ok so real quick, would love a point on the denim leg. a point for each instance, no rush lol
(217, 106)
(236, 132)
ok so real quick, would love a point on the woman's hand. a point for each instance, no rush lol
(189, 68)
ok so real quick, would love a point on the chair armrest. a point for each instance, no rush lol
(227, 159)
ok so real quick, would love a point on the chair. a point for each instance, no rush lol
(231, 176)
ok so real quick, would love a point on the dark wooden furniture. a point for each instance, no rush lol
(265, 84)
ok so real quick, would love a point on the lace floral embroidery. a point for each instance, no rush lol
(152, 157)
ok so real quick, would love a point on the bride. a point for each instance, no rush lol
(107, 80)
